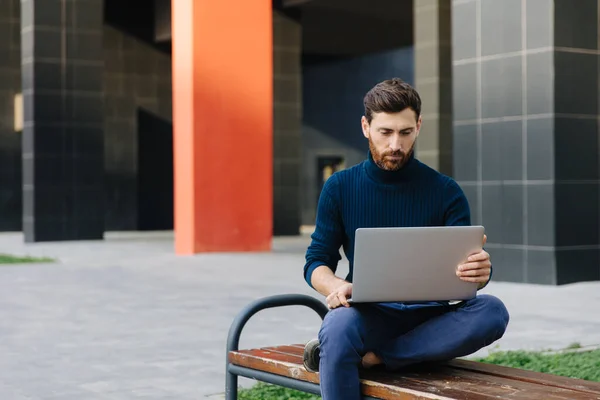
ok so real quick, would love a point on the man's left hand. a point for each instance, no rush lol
(477, 268)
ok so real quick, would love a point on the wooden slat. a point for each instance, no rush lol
(528, 376)
(285, 365)
(464, 384)
(445, 381)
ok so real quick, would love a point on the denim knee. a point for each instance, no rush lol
(495, 315)
(342, 334)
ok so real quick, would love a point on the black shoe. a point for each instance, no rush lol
(312, 356)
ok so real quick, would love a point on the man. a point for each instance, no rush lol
(391, 189)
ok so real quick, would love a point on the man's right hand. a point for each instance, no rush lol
(339, 296)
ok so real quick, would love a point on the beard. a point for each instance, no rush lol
(387, 164)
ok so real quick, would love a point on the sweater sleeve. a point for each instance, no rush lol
(457, 211)
(328, 235)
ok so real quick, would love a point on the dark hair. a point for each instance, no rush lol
(391, 96)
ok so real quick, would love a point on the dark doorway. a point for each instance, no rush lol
(155, 172)
(327, 166)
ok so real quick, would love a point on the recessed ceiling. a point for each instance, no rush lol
(354, 27)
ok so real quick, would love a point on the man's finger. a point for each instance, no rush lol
(474, 265)
(482, 255)
(342, 299)
(484, 239)
(475, 272)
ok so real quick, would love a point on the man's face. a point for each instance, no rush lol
(392, 137)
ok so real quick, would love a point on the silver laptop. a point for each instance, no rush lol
(413, 264)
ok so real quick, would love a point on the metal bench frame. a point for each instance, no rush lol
(233, 341)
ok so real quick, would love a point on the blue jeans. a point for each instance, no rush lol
(402, 337)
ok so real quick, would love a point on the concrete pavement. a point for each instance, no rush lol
(126, 318)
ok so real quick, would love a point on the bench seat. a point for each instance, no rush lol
(458, 379)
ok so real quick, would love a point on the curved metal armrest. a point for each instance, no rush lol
(233, 339)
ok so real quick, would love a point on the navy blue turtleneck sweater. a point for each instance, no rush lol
(367, 196)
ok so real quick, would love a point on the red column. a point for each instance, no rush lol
(223, 125)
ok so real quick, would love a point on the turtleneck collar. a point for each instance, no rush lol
(383, 176)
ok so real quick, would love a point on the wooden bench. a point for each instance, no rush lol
(457, 379)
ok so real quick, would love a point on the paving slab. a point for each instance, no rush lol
(125, 318)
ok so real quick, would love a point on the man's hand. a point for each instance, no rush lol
(477, 268)
(339, 296)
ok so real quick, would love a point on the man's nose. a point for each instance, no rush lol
(396, 143)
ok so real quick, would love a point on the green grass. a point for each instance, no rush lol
(8, 259)
(582, 365)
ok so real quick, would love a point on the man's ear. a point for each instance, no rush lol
(419, 123)
(365, 126)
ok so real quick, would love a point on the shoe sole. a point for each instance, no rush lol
(311, 356)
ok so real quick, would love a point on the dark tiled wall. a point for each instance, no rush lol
(10, 141)
(62, 65)
(287, 145)
(525, 100)
(136, 75)
(433, 80)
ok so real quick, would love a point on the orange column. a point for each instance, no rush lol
(223, 125)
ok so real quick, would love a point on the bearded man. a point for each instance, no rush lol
(391, 188)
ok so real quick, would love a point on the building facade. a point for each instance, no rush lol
(221, 120)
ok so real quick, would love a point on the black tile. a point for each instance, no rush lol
(539, 23)
(48, 229)
(87, 141)
(465, 153)
(540, 149)
(289, 172)
(540, 83)
(53, 171)
(576, 83)
(88, 171)
(92, 229)
(89, 78)
(464, 92)
(541, 266)
(500, 26)
(47, 76)
(145, 86)
(586, 267)
(540, 215)
(492, 212)
(50, 140)
(47, 108)
(577, 214)
(87, 109)
(11, 208)
(86, 14)
(510, 266)
(47, 13)
(501, 89)
(47, 43)
(576, 27)
(576, 148)
(512, 214)
(5, 32)
(89, 202)
(85, 46)
(501, 151)
(51, 202)
(471, 193)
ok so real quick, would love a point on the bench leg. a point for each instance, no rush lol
(233, 339)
